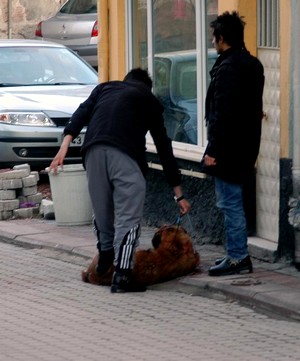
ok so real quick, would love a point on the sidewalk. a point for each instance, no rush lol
(272, 287)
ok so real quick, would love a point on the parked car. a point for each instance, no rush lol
(175, 84)
(76, 26)
(41, 85)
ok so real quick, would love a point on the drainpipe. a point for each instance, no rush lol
(295, 93)
(9, 11)
(103, 50)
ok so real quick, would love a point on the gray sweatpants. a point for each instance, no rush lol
(117, 190)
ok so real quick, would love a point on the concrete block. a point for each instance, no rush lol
(22, 166)
(22, 199)
(23, 213)
(29, 181)
(9, 205)
(36, 174)
(7, 194)
(4, 215)
(15, 174)
(37, 198)
(12, 183)
(47, 209)
(28, 191)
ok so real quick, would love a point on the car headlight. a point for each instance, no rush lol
(38, 119)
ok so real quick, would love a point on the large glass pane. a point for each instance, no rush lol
(173, 40)
(175, 71)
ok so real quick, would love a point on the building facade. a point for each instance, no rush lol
(172, 39)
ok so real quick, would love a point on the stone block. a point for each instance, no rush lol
(9, 205)
(23, 213)
(28, 191)
(36, 174)
(15, 174)
(29, 181)
(47, 209)
(12, 183)
(1, 183)
(7, 194)
(22, 166)
(22, 199)
(37, 198)
(4, 215)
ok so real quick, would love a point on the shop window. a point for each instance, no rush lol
(171, 39)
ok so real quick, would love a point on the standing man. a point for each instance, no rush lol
(233, 114)
(118, 114)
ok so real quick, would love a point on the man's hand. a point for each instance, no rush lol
(184, 206)
(209, 161)
(58, 160)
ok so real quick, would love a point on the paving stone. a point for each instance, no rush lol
(36, 174)
(47, 209)
(37, 198)
(25, 166)
(28, 191)
(7, 194)
(15, 174)
(25, 212)
(50, 314)
(5, 215)
(9, 205)
(29, 181)
(12, 183)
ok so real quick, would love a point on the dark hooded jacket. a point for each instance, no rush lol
(234, 111)
(119, 114)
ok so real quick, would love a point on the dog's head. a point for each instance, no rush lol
(173, 236)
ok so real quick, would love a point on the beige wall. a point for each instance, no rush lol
(285, 50)
(246, 8)
(25, 15)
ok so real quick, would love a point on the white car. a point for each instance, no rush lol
(41, 85)
(76, 26)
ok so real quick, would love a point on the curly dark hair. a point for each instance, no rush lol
(231, 27)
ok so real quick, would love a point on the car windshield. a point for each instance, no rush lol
(43, 66)
(80, 7)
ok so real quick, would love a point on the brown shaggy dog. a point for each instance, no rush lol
(172, 256)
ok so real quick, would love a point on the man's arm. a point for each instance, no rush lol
(165, 152)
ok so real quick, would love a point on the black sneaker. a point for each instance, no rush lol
(124, 283)
(231, 266)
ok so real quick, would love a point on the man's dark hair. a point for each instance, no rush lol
(140, 75)
(231, 27)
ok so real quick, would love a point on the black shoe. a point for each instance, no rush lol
(124, 283)
(106, 259)
(220, 260)
(231, 266)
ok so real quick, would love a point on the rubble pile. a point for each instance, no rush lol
(19, 196)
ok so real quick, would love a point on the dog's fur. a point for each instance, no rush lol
(172, 256)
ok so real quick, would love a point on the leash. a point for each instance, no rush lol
(179, 221)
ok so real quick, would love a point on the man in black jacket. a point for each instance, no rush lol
(233, 114)
(118, 114)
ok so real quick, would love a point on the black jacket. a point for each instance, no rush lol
(234, 113)
(120, 114)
